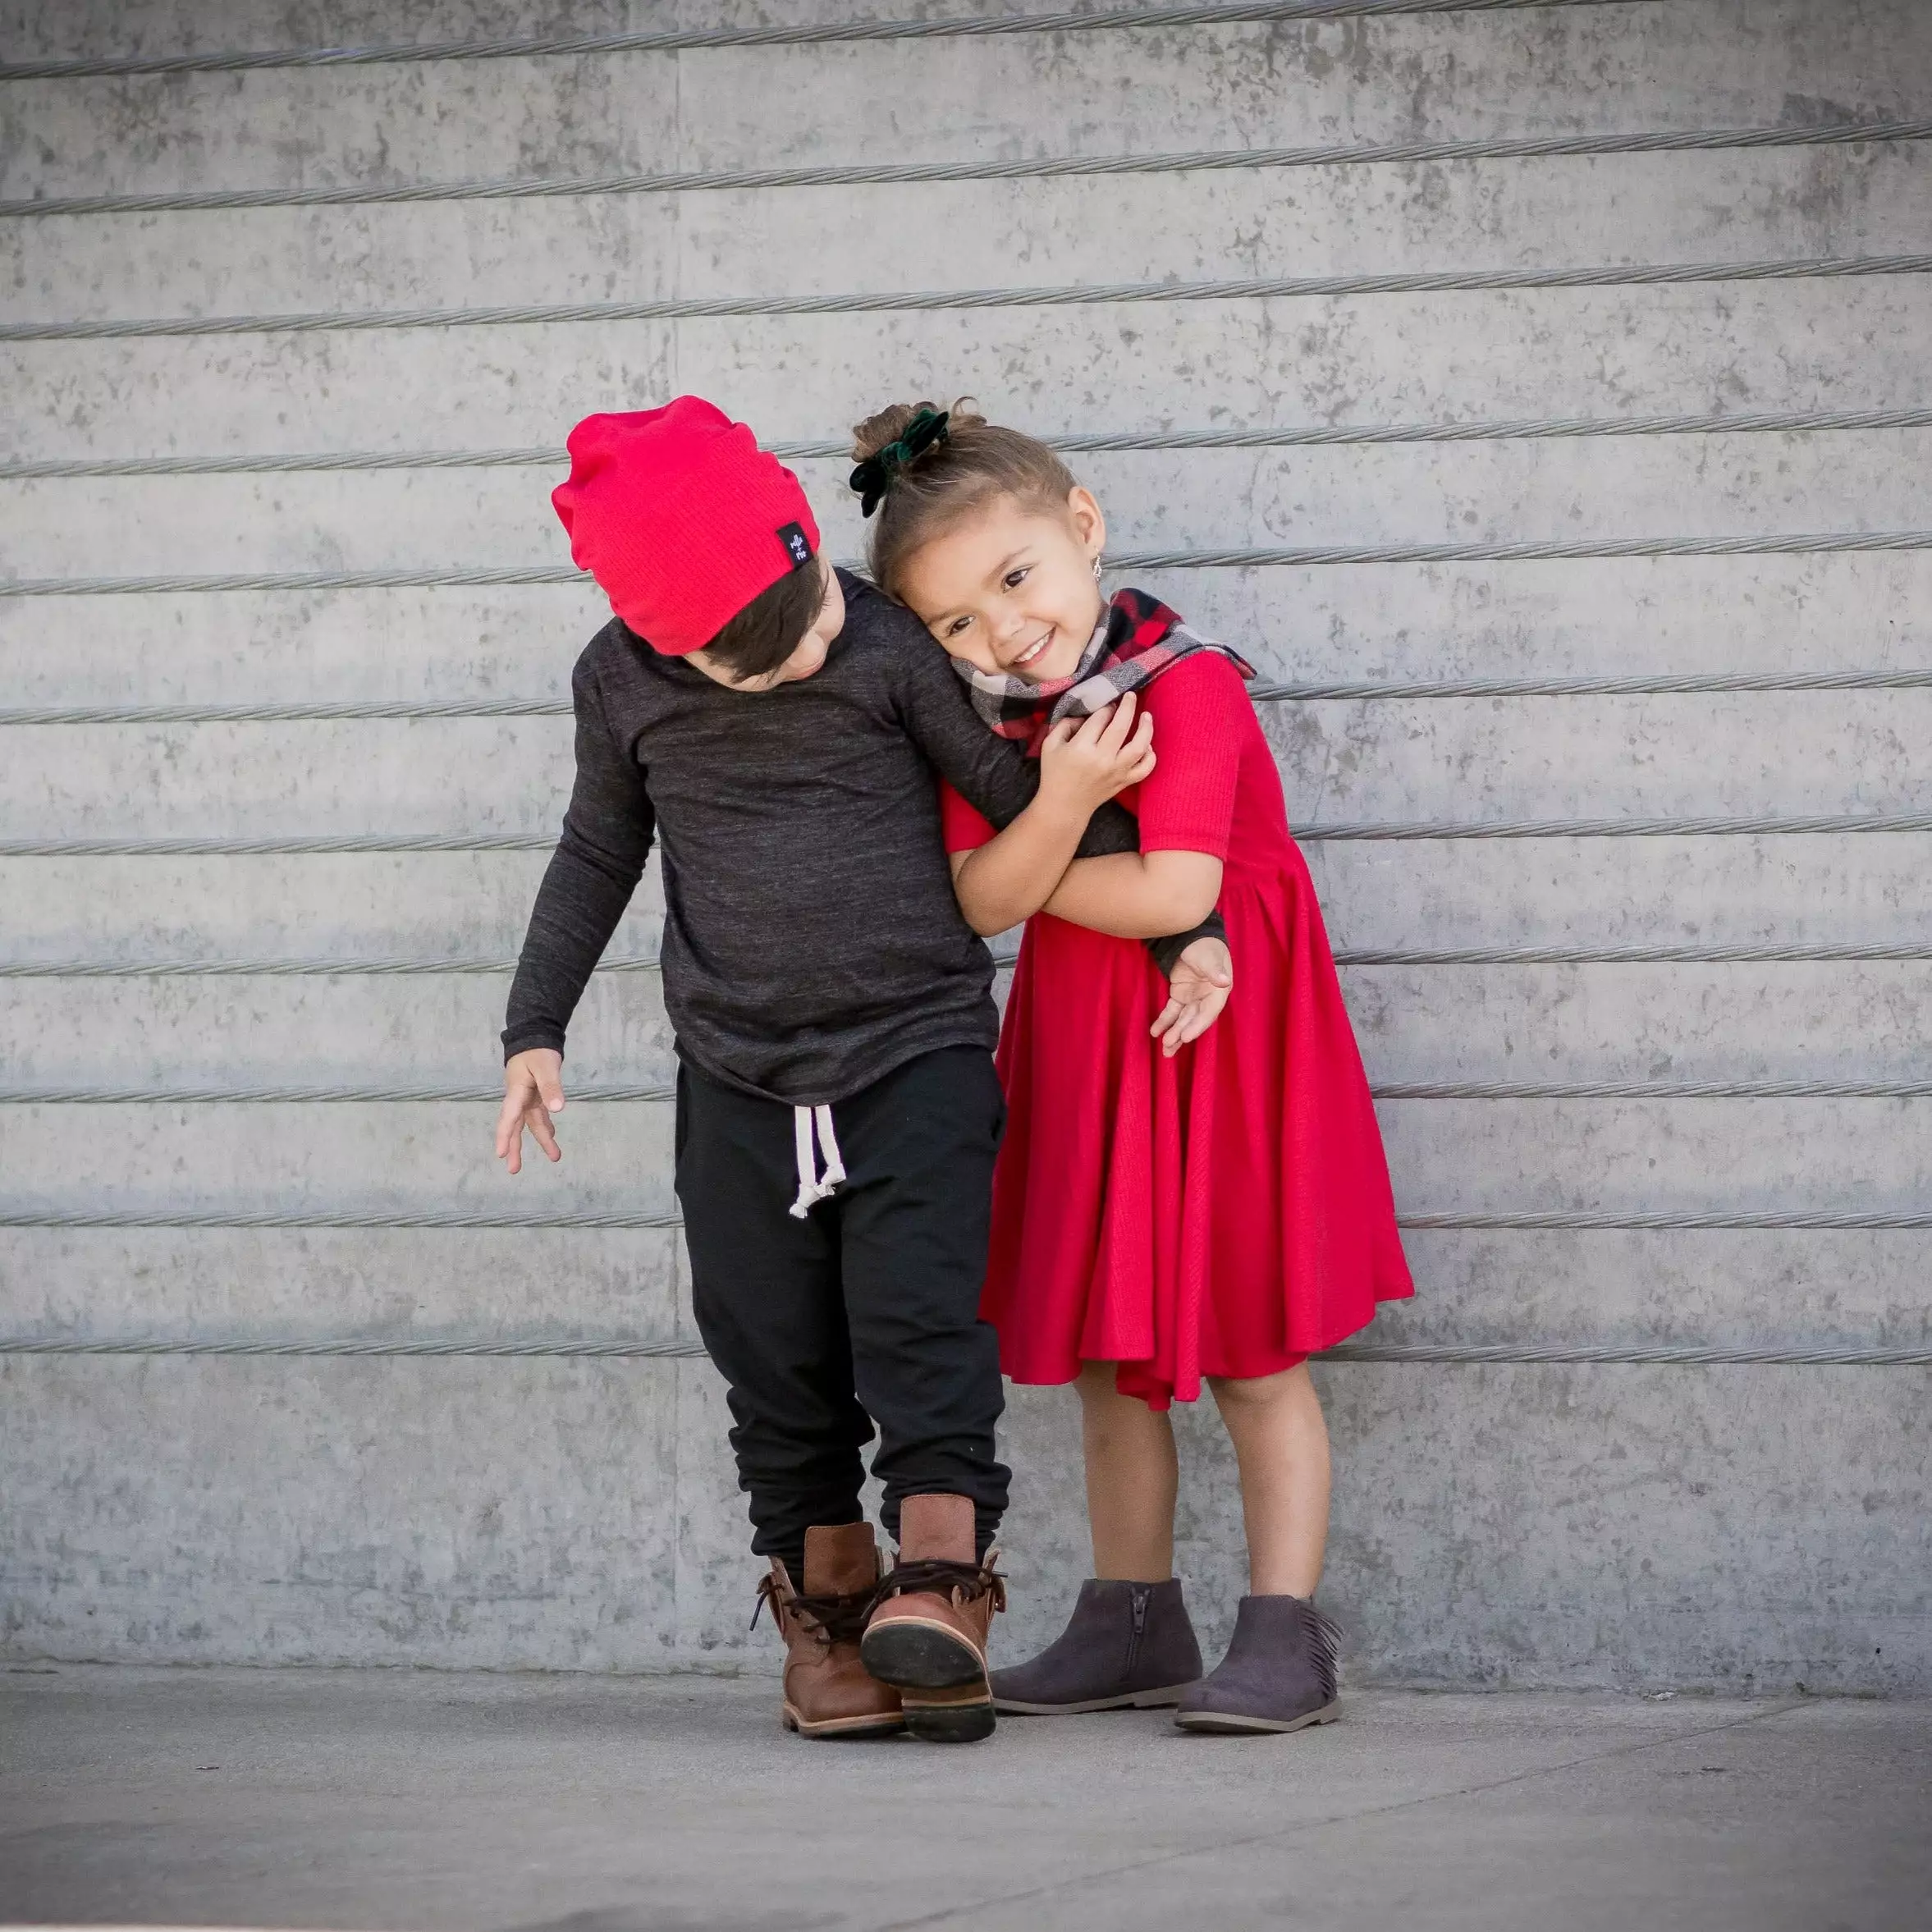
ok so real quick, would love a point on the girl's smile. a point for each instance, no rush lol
(1033, 650)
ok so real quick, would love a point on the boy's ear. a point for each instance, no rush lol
(1090, 524)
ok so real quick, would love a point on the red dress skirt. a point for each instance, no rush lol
(1226, 1212)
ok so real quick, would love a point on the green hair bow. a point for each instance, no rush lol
(870, 479)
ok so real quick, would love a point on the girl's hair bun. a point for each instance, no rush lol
(889, 424)
(882, 427)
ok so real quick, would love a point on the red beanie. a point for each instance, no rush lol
(681, 517)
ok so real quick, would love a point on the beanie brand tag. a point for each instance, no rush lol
(798, 546)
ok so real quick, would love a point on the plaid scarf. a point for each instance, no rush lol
(1137, 639)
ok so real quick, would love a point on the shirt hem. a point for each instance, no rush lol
(854, 1080)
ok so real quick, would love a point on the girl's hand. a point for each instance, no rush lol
(532, 1091)
(1084, 763)
(1196, 990)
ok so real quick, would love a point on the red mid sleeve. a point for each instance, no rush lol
(1203, 718)
(964, 828)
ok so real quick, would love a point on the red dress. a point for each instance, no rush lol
(1226, 1212)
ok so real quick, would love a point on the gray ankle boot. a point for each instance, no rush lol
(1279, 1673)
(1128, 1645)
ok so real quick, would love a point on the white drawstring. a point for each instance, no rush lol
(812, 1188)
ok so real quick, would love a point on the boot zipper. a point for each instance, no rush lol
(1139, 1594)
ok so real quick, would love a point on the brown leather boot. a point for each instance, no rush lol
(828, 1691)
(928, 1635)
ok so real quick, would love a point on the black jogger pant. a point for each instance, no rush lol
(868, 1307)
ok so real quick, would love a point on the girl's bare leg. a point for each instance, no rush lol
(1281, 1448)
(1133, 1476)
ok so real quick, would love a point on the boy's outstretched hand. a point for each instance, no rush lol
(1197, 989)
(534, 1090)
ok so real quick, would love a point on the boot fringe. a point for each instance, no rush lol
(1323, 1638)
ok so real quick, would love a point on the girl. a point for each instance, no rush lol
(1160, 1217)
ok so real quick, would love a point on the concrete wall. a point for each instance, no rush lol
(1510, 1523)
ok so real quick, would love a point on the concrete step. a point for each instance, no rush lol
(1607, 618)
(1618, 1525)
(520, 1515)
(168, 27)
(1598, 1289)
(291, 776)
(111, 1284)
(354, 906)
(1446, 1156)
(1846, 751)
(1720, 1156)
(793, 242)
(1737, 890)
(1661, 488)
(367, 1030)
(405, 1159)
(1351, 359)
(551, 1495)
(1839, 1021)
(1709, 63)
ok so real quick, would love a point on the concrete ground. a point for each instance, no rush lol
(391, 1799)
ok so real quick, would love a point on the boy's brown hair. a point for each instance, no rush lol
(766, 631)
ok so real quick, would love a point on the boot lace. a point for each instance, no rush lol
(832, 1618)
(944, 1575)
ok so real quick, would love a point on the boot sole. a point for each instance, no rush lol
(1231, 1724)
(963, 1722)
(843, 1727)
(913, 1653)
(1132, 1700)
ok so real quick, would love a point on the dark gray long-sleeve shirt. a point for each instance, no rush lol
(811, 940)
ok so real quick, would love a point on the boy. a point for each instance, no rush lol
(777, 726)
